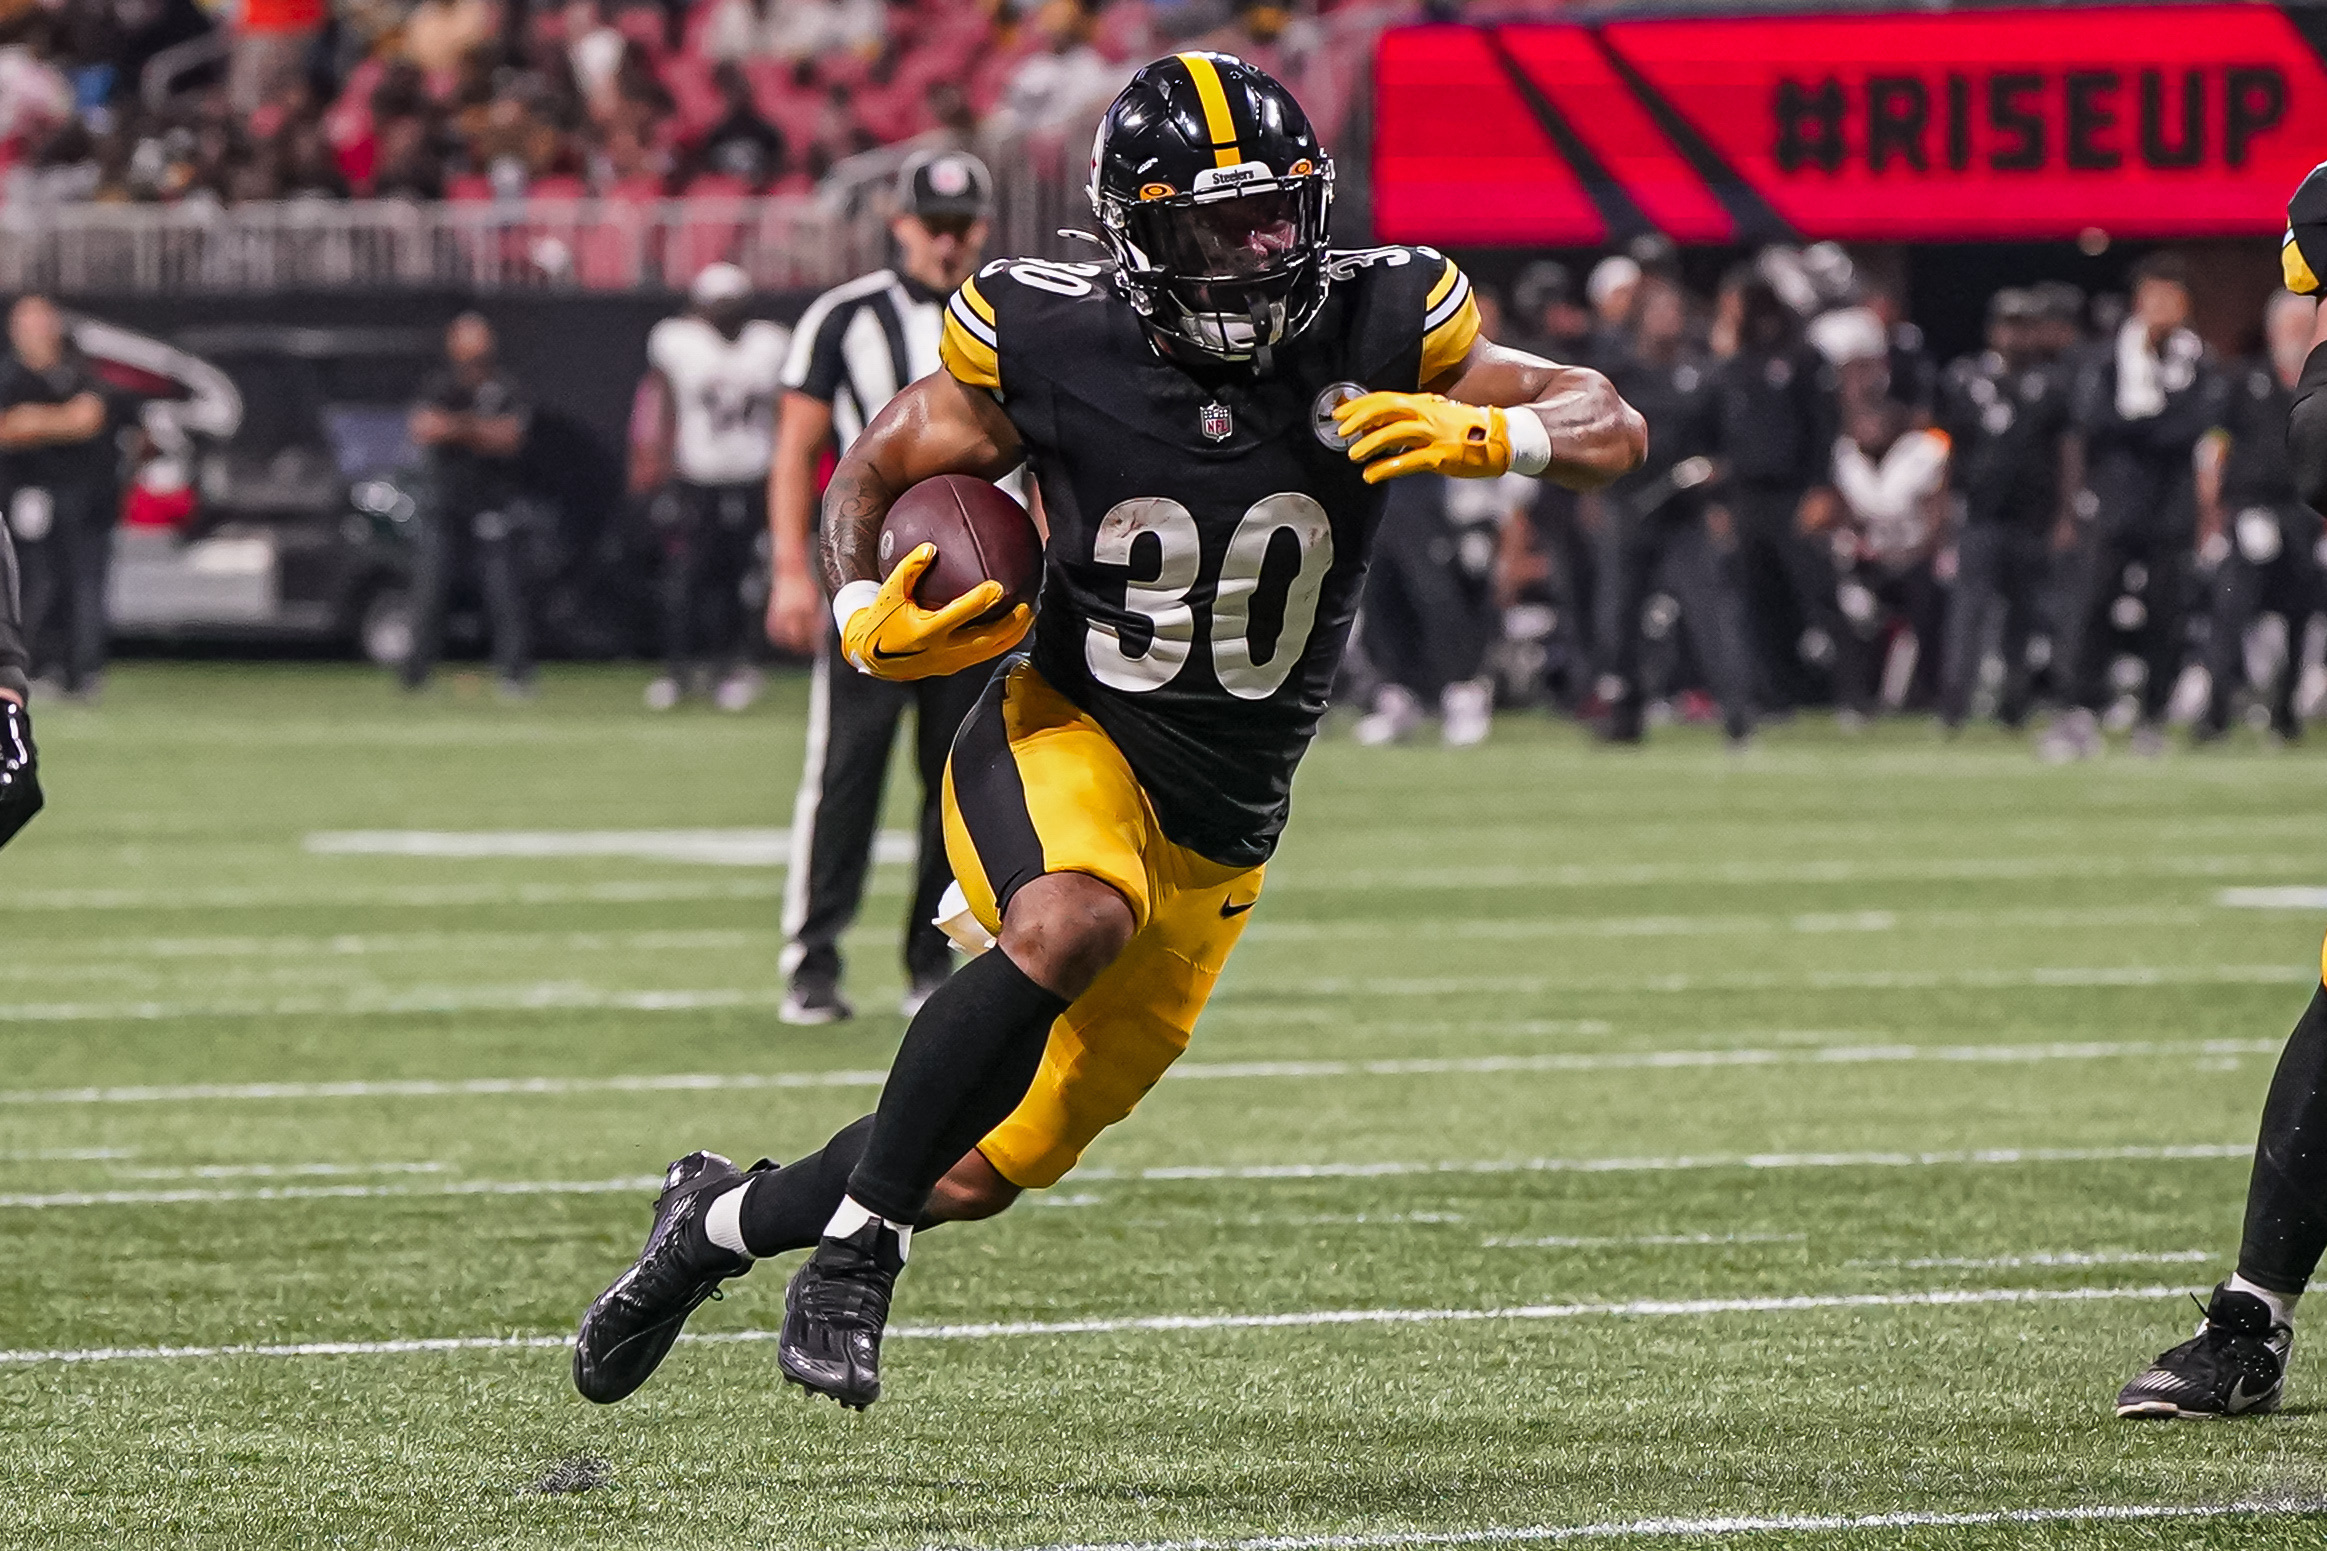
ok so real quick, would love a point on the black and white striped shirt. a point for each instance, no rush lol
(859, 343)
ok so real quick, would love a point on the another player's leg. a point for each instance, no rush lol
(2236, 1364)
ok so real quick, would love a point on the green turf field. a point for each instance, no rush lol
(1625, 1141)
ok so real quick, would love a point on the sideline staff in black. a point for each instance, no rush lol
(58, 466)
(470, 424)
(2007, 413)
(855, 347)
(19, 761)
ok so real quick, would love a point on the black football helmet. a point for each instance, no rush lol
(1214, 196)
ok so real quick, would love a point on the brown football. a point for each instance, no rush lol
(981, 535)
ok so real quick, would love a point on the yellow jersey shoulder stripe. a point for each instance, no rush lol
(1218, 122)
(971, 359)
(1446, 298)
(983, 309)
(1448, 279)
(1446, 343)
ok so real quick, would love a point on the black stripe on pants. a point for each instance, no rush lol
(852, 725)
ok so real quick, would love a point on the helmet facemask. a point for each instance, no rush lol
(1230, 269)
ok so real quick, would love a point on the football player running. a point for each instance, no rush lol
(1210, 415)
(2236, 1365)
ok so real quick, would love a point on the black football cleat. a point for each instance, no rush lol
(834, 1313)
(2236, 1365)
(627, 1332)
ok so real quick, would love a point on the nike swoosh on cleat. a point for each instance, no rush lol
(2240, 1400)
(881, 656)
(1228, 910)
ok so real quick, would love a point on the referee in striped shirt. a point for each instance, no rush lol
(855, 347)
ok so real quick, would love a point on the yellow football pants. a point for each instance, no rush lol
(1034, 786)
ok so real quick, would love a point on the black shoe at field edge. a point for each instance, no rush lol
(814, 1003)
(627, 1332)
(834, 1313)
(2236, 1365)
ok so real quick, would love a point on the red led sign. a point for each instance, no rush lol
(2156, 120)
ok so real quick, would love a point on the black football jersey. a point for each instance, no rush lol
(1208, 533)
(2006, 425)
(2258, 470)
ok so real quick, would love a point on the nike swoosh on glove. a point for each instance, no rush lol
(893, 637)
(20, 795)
(2303, 252)
(1395, 434)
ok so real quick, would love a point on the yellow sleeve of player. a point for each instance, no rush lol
(969, 346)
(1450, 323)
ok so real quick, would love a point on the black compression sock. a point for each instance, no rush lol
(968, 1059)
(789, 1208)
(2286, 1203)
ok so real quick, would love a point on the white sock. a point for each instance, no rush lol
(2282, 1305)
(853, 1215)
(723, 1224)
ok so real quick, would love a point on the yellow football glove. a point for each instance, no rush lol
(1395, 434)
(2303, 252)
(888, 635)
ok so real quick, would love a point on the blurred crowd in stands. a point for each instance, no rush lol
(175, 100)
(2094, 514)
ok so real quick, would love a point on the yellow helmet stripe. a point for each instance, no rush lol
(1214, 97)
(2296, 269)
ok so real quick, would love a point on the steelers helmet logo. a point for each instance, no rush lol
(1321, 413)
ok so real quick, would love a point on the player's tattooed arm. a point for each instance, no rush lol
(1595, 436)
(938, 425)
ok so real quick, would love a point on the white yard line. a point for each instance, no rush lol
(281, 1170)
(2059, 976)
(2051, 1257)
(1183, 1173)
(202, 1196)
(420, 896)
(1496, 928)
(1644, 1308)
(1718, 1527)
(713, 847)
(1659, 1240)
(360, 944)
(2299, 896)
(421, 1001)
(1188, 1071)
(1987, 1157)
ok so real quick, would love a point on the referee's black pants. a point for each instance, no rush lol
(852, 724)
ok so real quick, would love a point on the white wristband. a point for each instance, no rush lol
(853, 599)
(850, 598)
(1530, 442)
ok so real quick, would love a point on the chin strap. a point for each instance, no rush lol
(1263, 358)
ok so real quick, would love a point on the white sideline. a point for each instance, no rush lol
(1714, 1528)
(1643, 1308)
(1192, 1172)
(1186, 1071)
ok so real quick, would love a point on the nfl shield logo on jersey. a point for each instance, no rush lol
(1218, 424)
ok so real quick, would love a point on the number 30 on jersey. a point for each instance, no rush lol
(1163, 601)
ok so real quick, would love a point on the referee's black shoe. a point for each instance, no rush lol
(835, 1311)
(2236, 1365)
(630, 1328)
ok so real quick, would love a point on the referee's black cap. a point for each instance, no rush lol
(944, 183)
